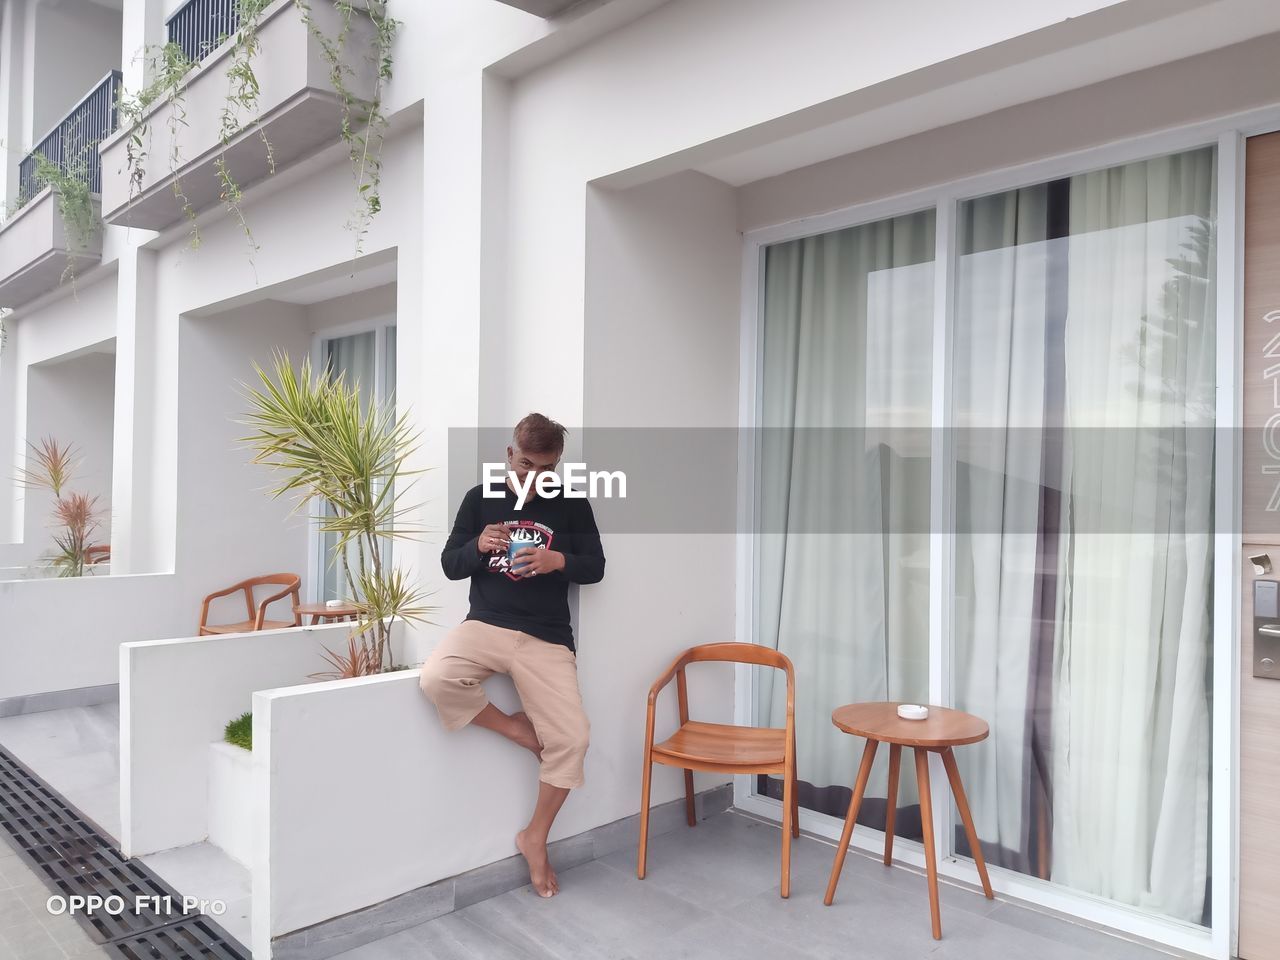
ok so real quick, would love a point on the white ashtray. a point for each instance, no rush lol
(913, 711)
(334, 603)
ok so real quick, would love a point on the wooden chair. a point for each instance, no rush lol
(99, 553)
(292, 584)
(724, 748)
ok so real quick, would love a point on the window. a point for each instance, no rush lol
(842, 554)
(367, 358)
(1080, 534)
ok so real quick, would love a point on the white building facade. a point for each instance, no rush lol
(731, 221)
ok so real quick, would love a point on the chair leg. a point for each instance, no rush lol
(788, 824)
(642, 852)
(795, 791)
(891, 807)
(690, 812)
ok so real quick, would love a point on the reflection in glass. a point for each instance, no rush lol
(842, 549)
(1083, 397)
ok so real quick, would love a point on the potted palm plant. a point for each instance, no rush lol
(332, 448)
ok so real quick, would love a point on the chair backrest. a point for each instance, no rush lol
(272, 579)
(734, 652)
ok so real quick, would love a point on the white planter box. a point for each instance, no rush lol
(36, 255)
(231, 801)
(298, 111)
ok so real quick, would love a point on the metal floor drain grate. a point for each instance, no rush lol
(76, 859)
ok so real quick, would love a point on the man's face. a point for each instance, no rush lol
(524, 462)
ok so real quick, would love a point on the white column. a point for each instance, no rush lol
(13, 390)
(135, 334)
(12, 36)
(141, 33)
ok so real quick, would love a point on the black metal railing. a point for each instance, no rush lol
(73, 144)
(199, 27)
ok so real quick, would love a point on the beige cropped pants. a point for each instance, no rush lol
(545, 676)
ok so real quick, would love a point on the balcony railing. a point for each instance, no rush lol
(199, 27)
(73, 144)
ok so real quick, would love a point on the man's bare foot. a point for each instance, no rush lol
(528, 737)
(541, 875)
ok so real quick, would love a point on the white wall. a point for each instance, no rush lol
(176, 697)
(339, 315)
(63, 328)
(331, 755)
(76, 44)
(1221, 82)
(71, 400)
(660, 351)
(229, 528)
(178, 282)
(64, 634)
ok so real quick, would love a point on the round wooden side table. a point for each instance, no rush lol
(320, 612)
(938, 733)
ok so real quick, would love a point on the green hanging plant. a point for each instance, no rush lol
(242, 97)
(75, 205)
(168, 66)
(363, 124)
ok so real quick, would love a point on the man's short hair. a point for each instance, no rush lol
(539, 434)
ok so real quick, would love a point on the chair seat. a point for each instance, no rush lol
(245, 626)
(718, 745)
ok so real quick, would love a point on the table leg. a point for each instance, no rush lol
(859, 788)
(957, 790)
(926, 825)
(315, 619)
(891, 804)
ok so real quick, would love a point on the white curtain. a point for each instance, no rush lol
(1132, 649)
(1084, 406)
(842, 571)
(998, 411)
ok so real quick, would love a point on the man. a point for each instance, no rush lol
(519, 625)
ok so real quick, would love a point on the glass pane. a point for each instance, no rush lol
(1083, 359)
(355, 357)
(389, 375)
(842, 547)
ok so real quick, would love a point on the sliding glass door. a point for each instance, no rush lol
(1083, 401)
(842, 556)
(1081, 415)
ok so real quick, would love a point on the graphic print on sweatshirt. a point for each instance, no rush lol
(524, 533)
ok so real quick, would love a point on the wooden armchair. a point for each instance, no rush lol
(291, 583)
(724, 748)
(100, 553)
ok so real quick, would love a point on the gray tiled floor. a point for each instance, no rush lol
(27, 930)
(713, 892)
(77, 752)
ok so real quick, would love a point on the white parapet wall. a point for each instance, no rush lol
(360, 794)
(176, 698)
(65, 633)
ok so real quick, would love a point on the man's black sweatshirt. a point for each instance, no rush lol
(538, 606)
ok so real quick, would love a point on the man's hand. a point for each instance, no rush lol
(531, 561)
(495, 538)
